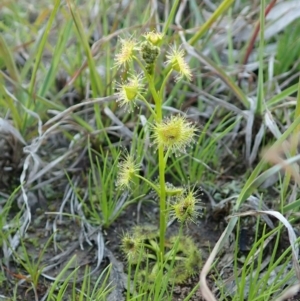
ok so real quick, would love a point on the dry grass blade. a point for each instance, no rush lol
(289, 293)
(8, 250)
(206, 292)
(69, 110)
(225, 104)
(6, 127)
(94, 235)
(124, 130)
(49, 166)
(118, 278)
(257, 143)
(178, 19)
(220, 72)
(291, 234)
(257, 204)
(271, 124)
(248, 130)
(274, 155)
(281, 16)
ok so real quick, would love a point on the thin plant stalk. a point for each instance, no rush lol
(162, 170)
(162, 182)
(161, 166)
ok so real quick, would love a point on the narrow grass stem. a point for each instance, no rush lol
(164, 83)
(166, 156)
(215, 15)
(170, 17)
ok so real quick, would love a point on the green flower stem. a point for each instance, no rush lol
(149, 183)
(141, 66)
(157, 100)
(164, 83)
(161, 168)
(147, 104)
(161, 162)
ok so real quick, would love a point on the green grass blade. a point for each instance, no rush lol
(170, 17)
(230, 83)
(41, 46)
(206, 26)
(254, 180)
(97, 88)
(7, 58)
(282, 96)
(60, 47)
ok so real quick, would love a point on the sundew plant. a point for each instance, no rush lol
(171, 135)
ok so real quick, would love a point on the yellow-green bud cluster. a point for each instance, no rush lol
(150, 53)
